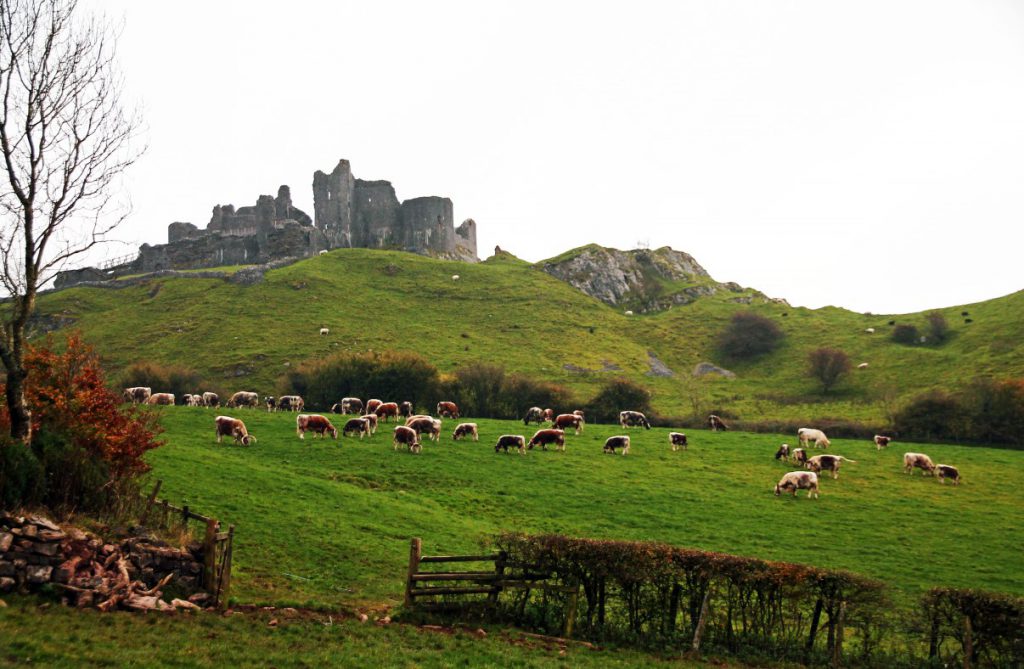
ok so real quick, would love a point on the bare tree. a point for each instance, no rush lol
(65, 138)
(828, 365)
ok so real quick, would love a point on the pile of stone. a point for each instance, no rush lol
(92, 573)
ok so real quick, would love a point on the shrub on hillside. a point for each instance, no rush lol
(162, 379)
(488, 391)
(617, 395)
(749, 335)
(995, 411)
(938, 328)
(520, 392)
(828, 366)
(934, 415)
(389, 376)
(905, 333)
(87, 451)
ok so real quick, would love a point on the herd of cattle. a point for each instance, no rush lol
(366, 418)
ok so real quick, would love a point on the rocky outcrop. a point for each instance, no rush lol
(705, 368)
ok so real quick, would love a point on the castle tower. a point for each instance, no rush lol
(332, 204)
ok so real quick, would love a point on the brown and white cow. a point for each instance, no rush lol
(423, 424)
(881, 441)
(548, 436)
(387, 410)
(808, 434)
(621, 441)
(348, 405)
(244, 398)
(799, 456)
(579, 412)
(315, 423)
(371, 421)
(947, 472)
(190, 400)
(137, 394)
(232, 427)
(567, 420)
(371, 405)
(405, 409)
(549, 414)
(794, 481)
(633, 419)
(534, 415)
(783, 453)
(360, 426)
(271, 403)
(513, 441)
(166, 399)
(828, 463)
(677, 440)
(211, 399)
(406, 436)
(463, 430)
(919, 460)
(290, 403)
(448, 410)
(716, 423)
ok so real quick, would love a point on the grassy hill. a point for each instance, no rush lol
(508, 311)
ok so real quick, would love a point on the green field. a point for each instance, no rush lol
(325, 523)
(510, 312)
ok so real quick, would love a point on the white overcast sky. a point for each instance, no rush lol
(864, 154)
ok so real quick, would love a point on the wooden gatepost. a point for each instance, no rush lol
(492, 582)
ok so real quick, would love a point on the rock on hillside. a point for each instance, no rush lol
(640, 279)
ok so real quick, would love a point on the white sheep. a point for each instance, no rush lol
(862, 365)
(629, 313)
(870, 331)
(325, 331)
(455, 277)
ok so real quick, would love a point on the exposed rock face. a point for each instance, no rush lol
(705, 368)
(658, 368)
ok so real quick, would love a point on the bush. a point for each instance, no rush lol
(828, 365)
(87, 450)
(996, 623)
(617, 395)
(389, 376)
(162, 379)
(995, 411)
(488, 391)
(905, 334)
(749, 335)
(938, 328)
(933, 416)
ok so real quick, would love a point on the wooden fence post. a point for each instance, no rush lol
(570, 613)
(149, 502)
(814, 624)
(968, 643)
(210, 553)
(933, 637)
(415, 553)
(499, 572)
(224, 586)
(702, 620)
(837, 647)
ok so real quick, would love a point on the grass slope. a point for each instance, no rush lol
(508, 311)
(323, 522)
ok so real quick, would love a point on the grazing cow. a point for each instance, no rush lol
(947, 472)
(808, 434)
(271, 403)
(448, 410)
(465, 430)
(633, 419)
(290, 403)
(799, 456)
(195, 400)
(315, 423)
(351, 405)
(211, 399)
(549, 414)
(234, 428)
(534, 415)
(417, 416)
(920, 460)
(881, 442)
(406, 436)
(548, 436)
(371, 405)
(371, 421)
(716, 423)
(421, 424)
(579, 412)
(677, 439)
(507, 441)
(612, 443)
(166, 399)
(829, 463)
(244, 399)
(562, 421)
(325, 331)
(405, 409)
(360, 426)
(186, 400)
(794, 481)
(783, 453)
(137, 395)
(387, 410)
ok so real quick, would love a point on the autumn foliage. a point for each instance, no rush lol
(87, 450)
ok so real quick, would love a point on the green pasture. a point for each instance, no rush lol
(510, 312)
(327, 523)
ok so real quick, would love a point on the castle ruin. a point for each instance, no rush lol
(347, 213)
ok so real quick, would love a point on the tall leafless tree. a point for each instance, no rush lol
(66, 138)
